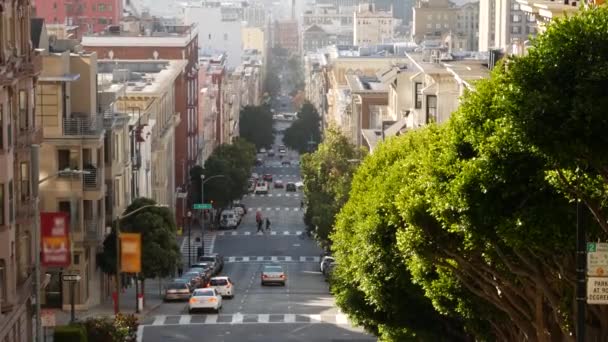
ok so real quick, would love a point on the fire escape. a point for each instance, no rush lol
(74, 14)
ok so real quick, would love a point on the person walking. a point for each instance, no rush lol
(258, 220)
(267, 224)
(301, 204)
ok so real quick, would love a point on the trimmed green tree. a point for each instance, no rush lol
(305, 133)
(255, 126)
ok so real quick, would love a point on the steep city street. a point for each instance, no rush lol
(303, 310)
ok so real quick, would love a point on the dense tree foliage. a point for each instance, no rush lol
(327, 175)
(234, 161)
(272, 83)
(305, 133)
(255, 126)
(470, 224)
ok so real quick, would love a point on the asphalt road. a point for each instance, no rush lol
(303, 310)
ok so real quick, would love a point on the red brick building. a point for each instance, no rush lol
(172, 42)
(90, 15)
(286, 35)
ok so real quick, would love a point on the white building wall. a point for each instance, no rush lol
(216, 35)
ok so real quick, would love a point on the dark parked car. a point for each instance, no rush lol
(215, 260)
(286, 162)
(291, 187)
(259, 162)
(268, 177)
(204, 275)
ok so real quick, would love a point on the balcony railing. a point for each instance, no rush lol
(83, 126)
(92, 229)
(91, 180)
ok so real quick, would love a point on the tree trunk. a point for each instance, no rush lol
(143, 288)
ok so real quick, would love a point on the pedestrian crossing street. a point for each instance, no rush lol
(235, 259)
(239, 318)
(272, 233)
(271, 195)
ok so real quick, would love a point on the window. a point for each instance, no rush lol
(1, 126)
(25, 181)
(23, 115)
(516, 29)
(11, 202)
(225, 36)
(102, 21)
(516, 18)
(76, 259)
(431, 109)
(2, 204)
(9, 126)
(63, 159)
(418, 93)
(3, 281)
(515, 6)
(101, 7)
(437, 26)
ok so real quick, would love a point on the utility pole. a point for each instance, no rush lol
(581, 268)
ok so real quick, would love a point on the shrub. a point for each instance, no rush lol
(123, 328)
(70, 333)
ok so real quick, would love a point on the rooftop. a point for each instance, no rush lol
(146, 77)
(156, 35)
(365, 84)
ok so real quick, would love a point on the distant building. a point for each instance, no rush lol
(255, 15)
(314, 38)
(509, 24)
(433, 19)
(286, 35)
(337, 22)
(219, 29)
(254, 38)
(467, 24)
(372, 27)
(91, 16)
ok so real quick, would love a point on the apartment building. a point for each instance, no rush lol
(369, 100)
(511, 26)
(162, 42)
(208, 110)
(73, 139)
(254, 38)
(219, 29)
(90, 16)
(149, 101)
(336, 22)
(433, 19)
(286, 35)
(255, 15)
(541, 12)
(315, 37)
(372, 26)
(467, 24)
(19, 67)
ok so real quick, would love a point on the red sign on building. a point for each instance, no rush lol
(55, 239)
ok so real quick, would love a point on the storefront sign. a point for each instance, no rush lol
(130, 252)
(55, 240)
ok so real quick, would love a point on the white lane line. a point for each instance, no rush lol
(279, 195)
(140, 333)
(274, 258)
(233, 233)
(315, 318)
(316, 259)
(273, 233)
(287, 195)
(221, 233)
(268, 208)
(286, 209)
(260, 258)
(184, 319)
(285, 233)
(298, 233)
(211, 319)
(269, 195)
(296, 209)
(259, 209)
(263, 318)
(287, 258)
(302, 259)
(341, 319)
(277, 209)
(247, 233)
(231, 259)
(245, 258)
(159, 320)
(290, 318)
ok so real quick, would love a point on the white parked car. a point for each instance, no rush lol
(206, 298)
(229, 219)
(223, 285)
(262, 150)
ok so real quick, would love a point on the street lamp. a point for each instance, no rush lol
(189, 216)
(203, 181)
(117, 280)
(35, 175)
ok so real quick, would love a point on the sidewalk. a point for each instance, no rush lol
(127, 304)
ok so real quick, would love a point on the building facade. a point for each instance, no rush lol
(372, 26)
(19, 69)
(254, 38)
(512, 27)
(286, 35)
(433, 19)
(166, 43)
(91, 16)
(73, 133)
(314, 38)
(467, 24)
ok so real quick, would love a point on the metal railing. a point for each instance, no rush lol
(91, 180)
(83, 126)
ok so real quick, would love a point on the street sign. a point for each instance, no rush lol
(70, 277)
(48, 318)
(597, 290)
(201, 206)
(597, 259)
(182, 195)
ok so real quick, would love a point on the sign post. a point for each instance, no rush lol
(72, 279)
(130, 260)
(597, 273)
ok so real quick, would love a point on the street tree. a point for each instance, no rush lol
(255, 126)
(234, 162)
(327, 174)
(559, 89)
(305, 133)
(272, 83)
(160, 252)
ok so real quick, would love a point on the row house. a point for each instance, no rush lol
(89, 15)
(150, 39)
(149, 102)
(207, 109)
(369, 100)
(73, 139)
(20, 67)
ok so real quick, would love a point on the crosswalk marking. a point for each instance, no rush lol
(273, 233)
(278, 209)
(159, 320)
(241, 318)
(211, 319)
(249, 210)
(184, 319)
(285, 233)
(283, 258)
(247, 233)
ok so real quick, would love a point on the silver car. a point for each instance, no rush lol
(177, 290)
(273, 274)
